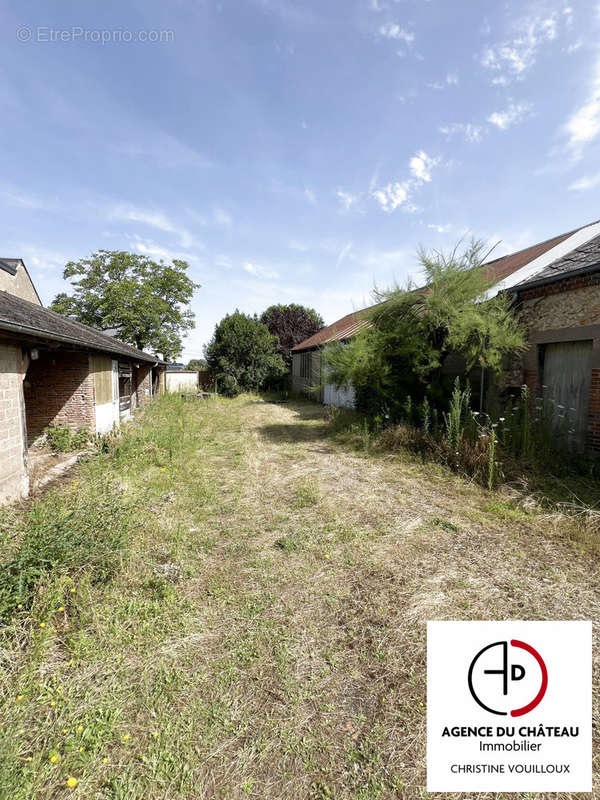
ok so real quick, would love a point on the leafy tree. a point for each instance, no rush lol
(400, 350)
(198, 363)
(243, 354)
(291, 324)
(145, 301)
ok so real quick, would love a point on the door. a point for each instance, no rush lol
(567, 379)
(115, 391)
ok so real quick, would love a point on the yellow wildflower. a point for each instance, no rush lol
(81, 749)
(79, 728)
(65, 730)
(72, 591)
(105, 760)
(72, 782)
(42, 624)
(61, 608)
(155, 734)
(126, 737)
(20, 605)
(21, 731)
(29, 758)
(54, 758)
(52, 703)
(19, 698)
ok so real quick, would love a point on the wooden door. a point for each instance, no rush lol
(567, 378)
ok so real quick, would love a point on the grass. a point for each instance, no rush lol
(229, 603)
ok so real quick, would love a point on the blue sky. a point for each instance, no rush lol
(293, 151)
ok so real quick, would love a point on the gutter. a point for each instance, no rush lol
(37, 333)
(549, 279)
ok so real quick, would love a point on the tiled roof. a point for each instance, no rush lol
(344, 328)
(584, 257)
(21, 316)
(496, 270)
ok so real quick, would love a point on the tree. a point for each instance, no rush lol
(145, 301)
(198, 364)
(291, 324)
(243, 354)
(411, 332)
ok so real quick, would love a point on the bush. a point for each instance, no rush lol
(61, 439)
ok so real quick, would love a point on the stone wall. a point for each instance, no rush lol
(143, 389)
(565, 311)
(13, 452)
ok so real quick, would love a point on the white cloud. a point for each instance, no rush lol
(511, 59)
(343, 253)
(421, 165)
(451, 79)
(310, 196)
(391, 30)
(391, 196)
(515, 113)
(153, 219)
(259, 272)
(441, 228)
(469, 131)
(347, 199)
(222, 217)
(585, 183)
(398, 193)
(574, 47)
(584, 124)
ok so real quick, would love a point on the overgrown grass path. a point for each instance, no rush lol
(251, 619)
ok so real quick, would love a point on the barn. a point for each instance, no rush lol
(556, 286)
(54, 370)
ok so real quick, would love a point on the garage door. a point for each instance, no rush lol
(567, 379)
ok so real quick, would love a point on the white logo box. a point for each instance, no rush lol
(481, 737)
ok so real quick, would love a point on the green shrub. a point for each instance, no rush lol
(61, 439)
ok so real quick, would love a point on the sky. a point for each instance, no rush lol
(293, 150)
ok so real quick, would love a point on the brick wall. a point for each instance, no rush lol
(59, 389)
(13, 471)
(143, 378)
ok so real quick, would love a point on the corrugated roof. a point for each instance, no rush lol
(496, 270)
(18, 315)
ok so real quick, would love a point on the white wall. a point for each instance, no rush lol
(342, 397)
(182, 381)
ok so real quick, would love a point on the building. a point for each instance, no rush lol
(556, 285)
(182, 380)
(54, 370)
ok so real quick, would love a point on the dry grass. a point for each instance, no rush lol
(283, 655)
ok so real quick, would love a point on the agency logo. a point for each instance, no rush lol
(508, 677)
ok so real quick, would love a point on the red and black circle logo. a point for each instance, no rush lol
(502, 685)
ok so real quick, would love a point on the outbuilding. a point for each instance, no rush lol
(56, 371)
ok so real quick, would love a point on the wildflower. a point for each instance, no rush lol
(501, 419)
(61, 608)
(327, 555)
(163, 469)
(42, 624)
(52, 703)
(72, 782)
(155, 734)
(105, 760)
(81, 749)
(21, 731)
(126, 737)
(20, 605)
(65, 730)
(79, 728)
(19, 698)
(72, 590)
(29, 758)
(54, 758)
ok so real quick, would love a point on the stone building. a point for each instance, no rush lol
(556, 286)
(56, 371)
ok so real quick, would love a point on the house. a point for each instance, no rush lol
(54, 370)
(556, 286)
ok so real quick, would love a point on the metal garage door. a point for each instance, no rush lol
(567, 379)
